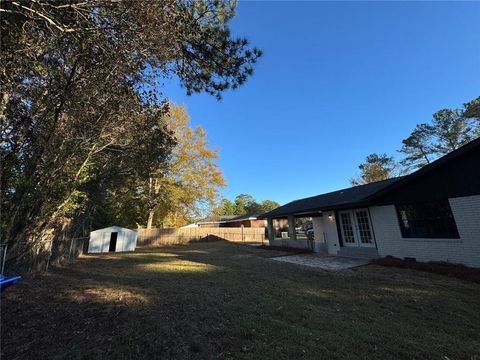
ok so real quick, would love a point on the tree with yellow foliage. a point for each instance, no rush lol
(191, 184)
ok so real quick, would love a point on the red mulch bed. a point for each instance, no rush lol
(442, 268)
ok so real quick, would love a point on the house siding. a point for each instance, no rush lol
(245, 223)
(326, 235)
(465, 250)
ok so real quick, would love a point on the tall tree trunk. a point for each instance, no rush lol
(150, 219)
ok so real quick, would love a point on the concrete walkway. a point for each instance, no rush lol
(325, 262)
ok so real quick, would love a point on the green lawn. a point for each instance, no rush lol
(220, 300)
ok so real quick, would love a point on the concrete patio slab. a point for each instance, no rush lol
(324, 262)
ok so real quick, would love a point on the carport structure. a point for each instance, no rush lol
(285, 230)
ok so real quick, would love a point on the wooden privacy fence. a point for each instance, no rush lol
(157, 237)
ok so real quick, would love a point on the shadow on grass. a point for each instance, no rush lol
(218, 300)
(442, 268)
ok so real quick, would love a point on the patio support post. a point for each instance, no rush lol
(291, 227)
(270, 230)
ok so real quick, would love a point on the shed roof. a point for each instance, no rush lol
(114, 228)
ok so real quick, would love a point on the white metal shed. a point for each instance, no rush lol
(112, 239)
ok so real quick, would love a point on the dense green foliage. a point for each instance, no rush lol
(177, 192)
(243, 204)
(83, 119)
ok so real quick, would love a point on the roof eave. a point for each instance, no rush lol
(319, 210)
(427, 169)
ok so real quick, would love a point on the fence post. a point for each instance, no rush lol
(70, 250)
(49, 255)
(4, 257)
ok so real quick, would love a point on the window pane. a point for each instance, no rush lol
(364, 227)
(427, 220)
(347, 228)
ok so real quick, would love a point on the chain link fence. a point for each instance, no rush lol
(33, 256)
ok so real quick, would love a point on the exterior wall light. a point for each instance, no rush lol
(330, 216)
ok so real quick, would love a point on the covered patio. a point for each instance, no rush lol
(341, 223)
(295, 231)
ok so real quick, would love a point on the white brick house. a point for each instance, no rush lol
(432, 214)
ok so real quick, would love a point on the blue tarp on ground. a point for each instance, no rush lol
(6, 281)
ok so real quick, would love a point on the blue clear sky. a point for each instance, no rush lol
(338, 81)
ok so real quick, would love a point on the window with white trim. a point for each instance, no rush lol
(347, 228)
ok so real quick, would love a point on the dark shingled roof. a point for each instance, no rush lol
(252, 215)
(231, 218)
(363, 195)
(333, 200)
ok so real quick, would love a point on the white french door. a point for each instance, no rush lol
(356, 229)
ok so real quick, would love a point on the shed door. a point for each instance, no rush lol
(356, 228)
(113, 241)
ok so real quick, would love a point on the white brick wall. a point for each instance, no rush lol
(325, 231)
(465, 250)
